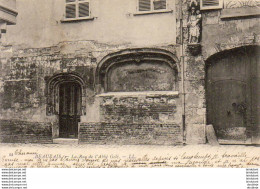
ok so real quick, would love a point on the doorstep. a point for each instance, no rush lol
(65, 141)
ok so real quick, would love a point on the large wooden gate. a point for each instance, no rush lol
(233, 94)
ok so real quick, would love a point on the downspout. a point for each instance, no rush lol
(182, 73)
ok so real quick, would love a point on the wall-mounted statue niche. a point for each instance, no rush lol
(194, 27)
(194, 22)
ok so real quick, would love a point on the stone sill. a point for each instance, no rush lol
(143, 93)
(240, 12)
(152, 12)
(234, 142)
(76, 19)
(8, 18)
(65, 141)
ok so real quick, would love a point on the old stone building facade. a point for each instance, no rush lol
(131, 72)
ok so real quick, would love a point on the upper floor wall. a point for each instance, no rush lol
(42, 23)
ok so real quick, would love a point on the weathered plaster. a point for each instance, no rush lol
(39, 24)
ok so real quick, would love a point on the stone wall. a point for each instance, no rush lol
(24, 93)
(24, 76)
(25, 72)
(194, 85)
(195, 100)
(220, 34)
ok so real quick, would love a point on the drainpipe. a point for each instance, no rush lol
(182, 72)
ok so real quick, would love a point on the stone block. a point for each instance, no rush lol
(211, 135)
(195, 134)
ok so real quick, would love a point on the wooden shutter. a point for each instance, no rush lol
(84, 9)
(211, 4)
(159, 4)
(71, 11)
(144, 5)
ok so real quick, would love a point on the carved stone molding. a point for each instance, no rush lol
(52, 85)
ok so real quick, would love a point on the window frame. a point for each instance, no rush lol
(76, 3)
(220, 6)
(152, 8)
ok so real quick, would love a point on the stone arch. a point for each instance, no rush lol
(52, 85)
(135, 56)
(218, 49)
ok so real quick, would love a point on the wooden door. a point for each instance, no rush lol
(69, 109)
(232, 102)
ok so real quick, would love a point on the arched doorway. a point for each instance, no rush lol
(232, 93)
(66, 100)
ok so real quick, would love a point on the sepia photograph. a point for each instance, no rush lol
(129, 84)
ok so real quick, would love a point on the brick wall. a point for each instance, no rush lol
(119, 133)
(14, 131)
(141, 107)
(136, 118)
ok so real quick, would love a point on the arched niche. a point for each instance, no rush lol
(137, 70)
(52, 91)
